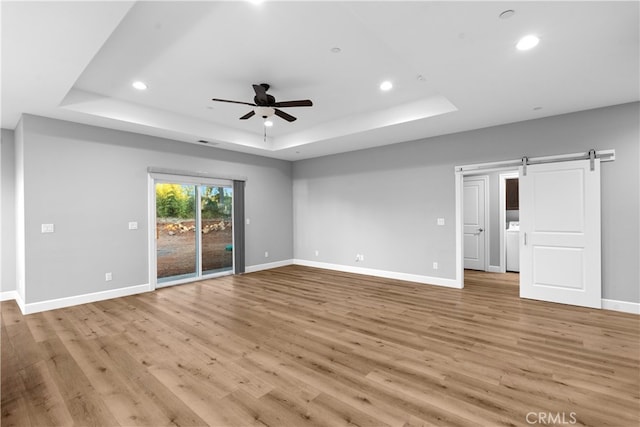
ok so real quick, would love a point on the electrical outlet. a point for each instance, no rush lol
(47, 228)
(440, 221)
(133, 225)
(108, 277)
(317, 252)
(266, 254)
(435, 265)
(359, 257)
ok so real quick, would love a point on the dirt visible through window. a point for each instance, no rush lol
(177, 248)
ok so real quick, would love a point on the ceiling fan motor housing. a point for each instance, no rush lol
(270, 100)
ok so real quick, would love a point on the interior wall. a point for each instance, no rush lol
(494, 219)
(90, 182)
(7, 214)
(19, 198)
(384, 202)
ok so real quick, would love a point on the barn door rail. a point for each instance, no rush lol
(603, 155)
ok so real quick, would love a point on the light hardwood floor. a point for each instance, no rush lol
(297, 346)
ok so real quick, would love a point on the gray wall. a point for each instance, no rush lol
(90, 182)
(7, 214)
(383, 202)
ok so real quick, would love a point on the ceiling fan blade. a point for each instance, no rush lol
(282, 114)
(248, 115)
(261, 94)
(299, 103)
(234, 102)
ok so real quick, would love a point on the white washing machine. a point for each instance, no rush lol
(513, 246)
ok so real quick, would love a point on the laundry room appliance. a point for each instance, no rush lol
(513, 246)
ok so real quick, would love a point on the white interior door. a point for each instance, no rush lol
(474, 224)
(560, 233)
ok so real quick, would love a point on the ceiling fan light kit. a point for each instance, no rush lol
(264, 112)
(266, 105)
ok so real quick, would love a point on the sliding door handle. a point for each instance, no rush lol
(525, 238)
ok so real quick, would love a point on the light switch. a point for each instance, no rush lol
(133, 225)
(47, 228)
(440, 221)
(248, 221)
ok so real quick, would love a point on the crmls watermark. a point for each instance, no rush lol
(551, 418)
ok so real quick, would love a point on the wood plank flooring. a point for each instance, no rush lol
(298, 346)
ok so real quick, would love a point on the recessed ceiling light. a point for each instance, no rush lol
(202, 141)
(507, 14)
(256, 1)
(386, 85)
(139, 85)
(527, 42)
(537, 108)
(336, 50)
(268, 123)
(421, 78)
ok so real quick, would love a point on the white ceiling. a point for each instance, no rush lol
(76, 61)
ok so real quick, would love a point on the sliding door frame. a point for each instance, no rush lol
(157, 178)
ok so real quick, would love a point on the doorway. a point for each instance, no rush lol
(193, 224)
(559, 254)
(509, 222)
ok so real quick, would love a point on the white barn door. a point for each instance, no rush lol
(474, 224)
(560, 233)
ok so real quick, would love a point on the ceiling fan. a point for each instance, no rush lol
(266, 105)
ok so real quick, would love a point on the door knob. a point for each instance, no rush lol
(480, 230)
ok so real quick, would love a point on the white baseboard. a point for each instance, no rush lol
(9, 295)
(607, 304)
(268, 266)
(623, 306)
(495, 269)
(13, 295)
(439, 281)
(36, 307)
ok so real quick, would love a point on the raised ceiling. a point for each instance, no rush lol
(453, 65)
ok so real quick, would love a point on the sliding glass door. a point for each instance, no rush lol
(176, 239)
(216, 207)
(194, 230)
